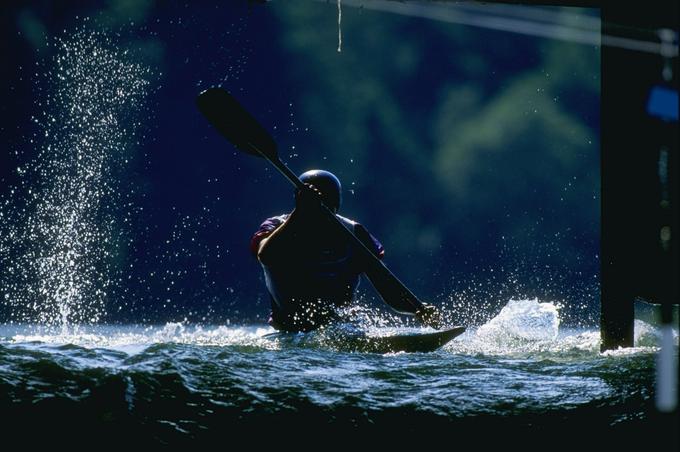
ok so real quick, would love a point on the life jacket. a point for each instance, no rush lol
(306, 288)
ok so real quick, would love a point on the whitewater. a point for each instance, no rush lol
(517, 374)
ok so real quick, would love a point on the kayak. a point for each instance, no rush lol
(353, 340)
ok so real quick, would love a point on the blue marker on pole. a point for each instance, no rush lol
(663, 103)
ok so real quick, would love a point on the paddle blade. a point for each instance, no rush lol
(234, 122)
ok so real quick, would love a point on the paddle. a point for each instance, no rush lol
(236, 124)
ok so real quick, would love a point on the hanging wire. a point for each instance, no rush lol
(528, 20)
(339, 25)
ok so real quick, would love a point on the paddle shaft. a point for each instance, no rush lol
(385, 282)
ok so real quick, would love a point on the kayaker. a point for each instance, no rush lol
(310, 268)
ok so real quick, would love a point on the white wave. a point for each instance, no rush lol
(525, 320)
(529, 327)
(133, 339)
(526, 327)
(520, 323)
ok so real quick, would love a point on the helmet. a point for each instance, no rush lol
(327, 184)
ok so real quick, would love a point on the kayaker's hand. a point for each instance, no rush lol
(308, 199)
(430, 316)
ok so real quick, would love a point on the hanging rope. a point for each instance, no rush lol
(339, 25)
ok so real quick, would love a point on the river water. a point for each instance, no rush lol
(518, 379)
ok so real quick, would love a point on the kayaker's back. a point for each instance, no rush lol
(307, 286)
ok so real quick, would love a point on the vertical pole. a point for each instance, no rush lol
(639, 224)
(667, 361)
(617, 163)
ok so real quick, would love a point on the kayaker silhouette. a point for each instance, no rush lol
(310, 267)
(312, 257)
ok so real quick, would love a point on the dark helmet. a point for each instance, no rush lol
(327, 184)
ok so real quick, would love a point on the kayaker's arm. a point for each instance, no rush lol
(280, 243)
(393, 295)
(401, 302)
(390, 293)
(284, 242)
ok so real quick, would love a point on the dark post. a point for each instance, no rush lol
(639, 171)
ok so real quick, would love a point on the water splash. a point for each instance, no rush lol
(234, 56)
(368, 317)
(521, 326)
(60, 233)
(526, 320)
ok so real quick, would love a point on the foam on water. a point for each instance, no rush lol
(133, 339)
(523, 328)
